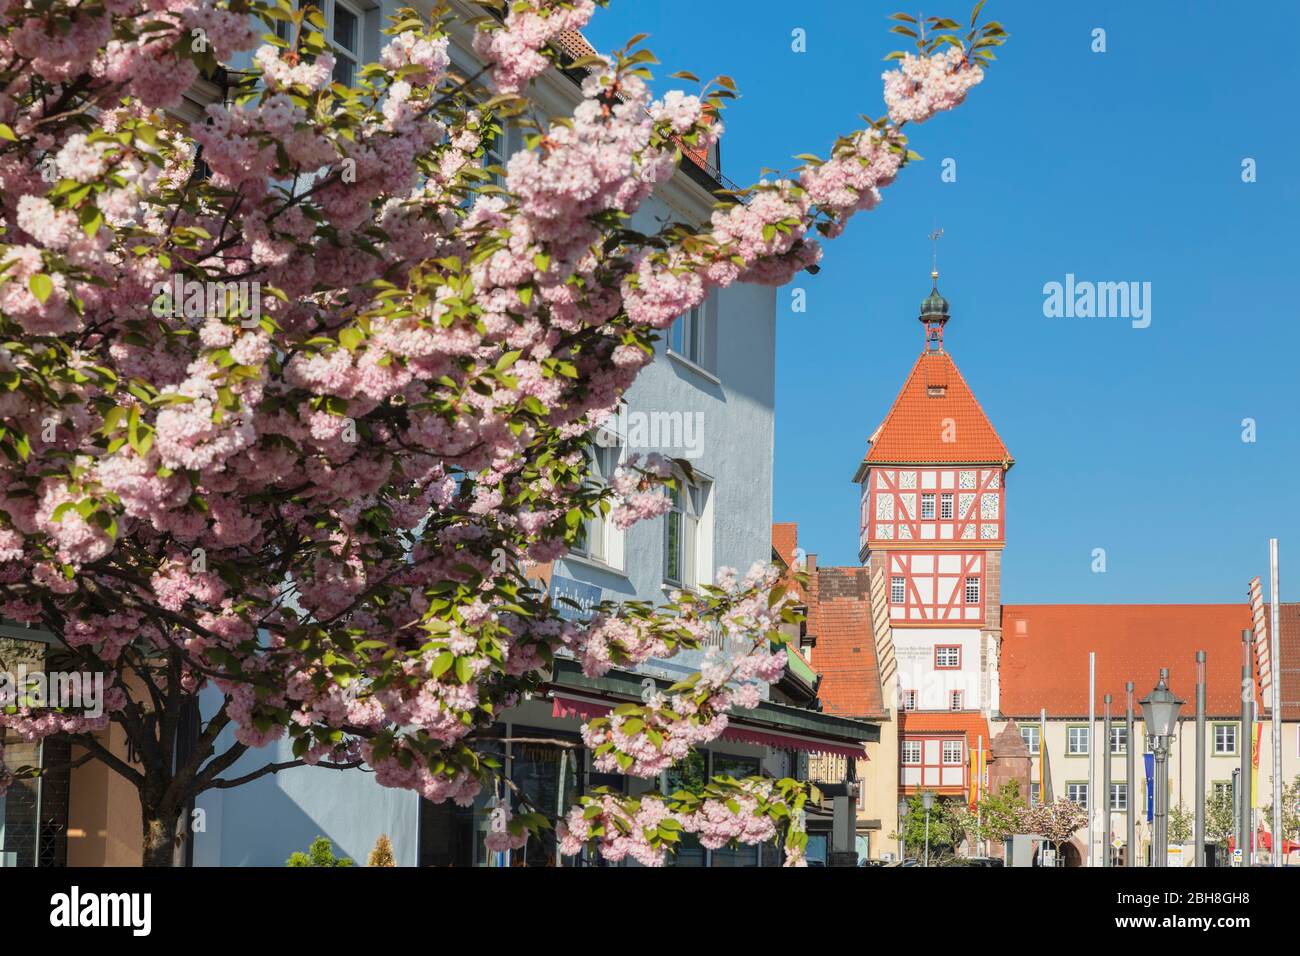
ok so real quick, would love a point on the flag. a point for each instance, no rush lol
(1255, 730)
(974, 796)
(1149, 761)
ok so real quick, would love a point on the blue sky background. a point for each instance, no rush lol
(1118, 166)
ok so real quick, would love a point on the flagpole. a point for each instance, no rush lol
(979, 793)
(1092, 751)
(1275, 672)
(1105, 784)
(1130, 837)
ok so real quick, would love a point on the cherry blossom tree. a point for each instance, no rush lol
(1056, 822)
(291, 394)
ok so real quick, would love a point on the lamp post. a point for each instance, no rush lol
(927, 801)
(1160, 715)
(904, 808)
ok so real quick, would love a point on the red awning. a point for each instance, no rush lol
(587, 709)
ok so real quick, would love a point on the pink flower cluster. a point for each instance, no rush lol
(925, 85)
(514, 50)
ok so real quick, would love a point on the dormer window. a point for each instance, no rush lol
(936, 391)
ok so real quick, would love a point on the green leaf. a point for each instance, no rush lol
(41, 286)
(442, 662)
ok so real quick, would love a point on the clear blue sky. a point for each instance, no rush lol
(1115, 166)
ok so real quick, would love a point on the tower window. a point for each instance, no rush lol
(945, 507)
(897, 590)
(947, 655)
(927, 507)
(972, 590)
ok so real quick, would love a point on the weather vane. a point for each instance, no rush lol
(935, 236)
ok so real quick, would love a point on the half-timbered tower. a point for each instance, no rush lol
(933, 520)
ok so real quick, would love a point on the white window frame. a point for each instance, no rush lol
(1035, 792)
(1116, 735)
(897, 589)
(1232, 730)
(956, 700)
(688, 336)
(947, 656)
(945, 506)
(602, 540)
(927, 506)
(342, 54)
(971, 592)
(1073, 787)
(1035, 732)
(691, 515)
(959, 753)
(1119, 789)
(1070, 749)
(907, 700)
(915, 747)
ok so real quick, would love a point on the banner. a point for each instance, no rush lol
(1255, 730)
(1149, 761)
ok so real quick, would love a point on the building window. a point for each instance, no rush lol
(908, 699)
(1119, 796)
(955, 701)
(1119, 740)
(1222, 788)
(947, 656)
(1035, 793)
(972, 590)
(344, 23)
(1030, 736)
(897, 590)
(1077, 793)
(927, 507)
(952, 752)
(595, 534)
(1076, 741)
(1225, 738)
(688, 336)
(912, 752)
(945, 507)
(684, 534)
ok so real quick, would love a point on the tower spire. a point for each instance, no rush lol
(934, 308)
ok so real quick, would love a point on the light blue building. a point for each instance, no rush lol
(708, 397)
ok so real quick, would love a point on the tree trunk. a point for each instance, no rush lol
(159, 846)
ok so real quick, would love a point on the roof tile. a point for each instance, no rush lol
(1044, 657)
(922, 417)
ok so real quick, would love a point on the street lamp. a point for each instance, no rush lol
(927, 801)
(1160, 715)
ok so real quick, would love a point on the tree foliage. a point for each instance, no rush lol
(292, 395)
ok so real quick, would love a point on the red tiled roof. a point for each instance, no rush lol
(1044, 656)
(785, 539)
(968, 722)
(840, 610)
(919, 421)
(1289, 671)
